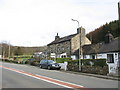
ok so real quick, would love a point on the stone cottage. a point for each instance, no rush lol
(66, 46)
(108, 49)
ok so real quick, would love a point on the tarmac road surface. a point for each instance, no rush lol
(26, 76)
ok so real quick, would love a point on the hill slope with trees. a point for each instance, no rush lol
(98, 35)
(5, 49)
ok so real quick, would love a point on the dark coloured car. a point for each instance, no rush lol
(49, 64)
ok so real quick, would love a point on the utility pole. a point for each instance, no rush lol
(80, 48)
(56, 48)
(119, 10)
(9, 51)
(2, 51)
(118, 17)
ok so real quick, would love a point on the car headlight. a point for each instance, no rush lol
(53, 65)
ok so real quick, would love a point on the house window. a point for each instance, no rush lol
(110, 58)
(84, 56)
(93, 56)
(63, 56)
(68, 48)
(63, 48)
(118, 59)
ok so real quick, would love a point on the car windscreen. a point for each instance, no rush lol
(50, 61)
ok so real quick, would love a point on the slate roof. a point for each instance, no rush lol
(62, 39)
(102, 47)
(113, 46)
(87, 49)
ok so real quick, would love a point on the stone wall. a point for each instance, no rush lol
(100, 67)
(95, 70)
(75, 42)
(90, 69)
(59, 48)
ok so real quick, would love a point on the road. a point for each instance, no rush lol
(26, 76)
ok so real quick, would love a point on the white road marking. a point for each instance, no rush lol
(47, 79)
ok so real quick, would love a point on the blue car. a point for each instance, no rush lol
(49, 64)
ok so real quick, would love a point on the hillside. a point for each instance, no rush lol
(29, 50)
(98, 34)
(17, 50)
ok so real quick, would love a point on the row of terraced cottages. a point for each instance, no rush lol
(68, 46)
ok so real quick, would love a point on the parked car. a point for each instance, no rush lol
(49, 64)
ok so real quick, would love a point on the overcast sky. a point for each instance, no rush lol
(36, 22)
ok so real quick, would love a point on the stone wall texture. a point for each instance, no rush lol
(59, 48)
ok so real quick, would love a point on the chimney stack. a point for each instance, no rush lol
(81, 30)
(57, 37)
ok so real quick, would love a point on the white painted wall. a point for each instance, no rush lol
(63, 54)
(87, 57)
(52, 55)
(112, 66)
(113, 70)
(103, 56)
(64, 65)
(73, 57)
(0, 56)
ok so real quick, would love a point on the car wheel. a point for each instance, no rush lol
(40, 66)
(49, 67)
(58, 69)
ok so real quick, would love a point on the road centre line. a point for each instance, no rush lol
(47, 79)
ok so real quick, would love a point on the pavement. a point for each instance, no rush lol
(95, 75)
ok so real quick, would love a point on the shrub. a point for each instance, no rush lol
(62, 60)
(34, 62)
(94, 62)
(91, 62)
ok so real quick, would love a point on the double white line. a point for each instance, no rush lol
(47, 79)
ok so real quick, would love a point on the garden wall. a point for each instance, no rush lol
(94, 66)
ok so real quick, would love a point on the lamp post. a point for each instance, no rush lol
(80, 48)
(119, 10)
(9, 51)
(118, 15)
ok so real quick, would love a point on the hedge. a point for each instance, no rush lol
(22, 56)
(62, 60)
(91, 62)
(34, 62)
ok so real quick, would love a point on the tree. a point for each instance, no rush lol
(18, 51)
(98, 34)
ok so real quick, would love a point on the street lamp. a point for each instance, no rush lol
(76, 21)
(80, 48)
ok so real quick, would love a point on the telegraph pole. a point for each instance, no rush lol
(80, 46)
(2, 51)
(119, 10)
(118, 17)
(9, 51)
